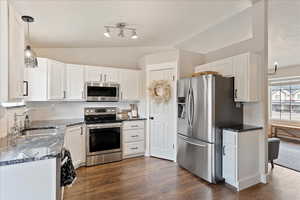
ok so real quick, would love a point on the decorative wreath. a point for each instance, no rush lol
(160, 91)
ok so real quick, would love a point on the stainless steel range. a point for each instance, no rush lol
(104, 135)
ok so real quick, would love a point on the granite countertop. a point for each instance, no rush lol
(242, 128)
(41, 147)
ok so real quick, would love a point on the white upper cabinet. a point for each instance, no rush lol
(75, 78)
(246, 76)
(103, 74)
(244, 69)
(36, 80)
(93, 73)
(130, 84)
(16, 56)
(224, 67)
(56, 80)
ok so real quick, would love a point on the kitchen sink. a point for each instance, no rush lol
(36, 132)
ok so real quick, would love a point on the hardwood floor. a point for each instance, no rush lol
(155, 179)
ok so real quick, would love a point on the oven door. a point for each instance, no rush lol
(98, 91)
(104, 138)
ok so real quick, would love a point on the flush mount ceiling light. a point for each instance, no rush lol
(122, 28)
(30, 56)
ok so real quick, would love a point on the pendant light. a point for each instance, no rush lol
(30, 56)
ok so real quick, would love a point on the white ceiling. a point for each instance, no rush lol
(284, 32)
(74, 23)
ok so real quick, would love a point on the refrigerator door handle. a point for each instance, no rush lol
(188, 107)
(192, 143)
(192, 107)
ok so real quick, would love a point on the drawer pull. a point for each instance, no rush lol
(134, 136)
(134, 126)
(134, 148)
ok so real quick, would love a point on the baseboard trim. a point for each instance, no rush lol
(264, 178)
(248, 182)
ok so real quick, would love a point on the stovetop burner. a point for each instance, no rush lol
(100, 115)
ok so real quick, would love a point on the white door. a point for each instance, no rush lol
(75, 82)
(75, 143)
(56, 80)
(163, 119)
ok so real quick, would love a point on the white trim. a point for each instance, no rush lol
(153, 67)
(248, 182)
(265, 178)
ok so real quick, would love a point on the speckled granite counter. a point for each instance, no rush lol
(26, 149)
(41, 147)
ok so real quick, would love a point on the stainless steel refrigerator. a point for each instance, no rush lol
(205, 105)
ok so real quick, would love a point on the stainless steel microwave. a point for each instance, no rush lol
(102, 91)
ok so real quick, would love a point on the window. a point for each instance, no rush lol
(285, 101)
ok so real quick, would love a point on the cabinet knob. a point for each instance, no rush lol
(151, 118)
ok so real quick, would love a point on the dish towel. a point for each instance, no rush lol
(68, 173)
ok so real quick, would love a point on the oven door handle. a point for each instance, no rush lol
(96, 126)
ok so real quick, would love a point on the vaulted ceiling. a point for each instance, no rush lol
(74, 23)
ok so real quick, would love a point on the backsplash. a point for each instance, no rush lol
(66, 110)
(7, 119)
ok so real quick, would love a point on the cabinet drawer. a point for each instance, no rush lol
(133, 148)
(133, 125)
(133, 135)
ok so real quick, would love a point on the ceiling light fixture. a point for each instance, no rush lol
(275, 69)
(30, 56)
(123, 27)
(107, 33)
(134, 35)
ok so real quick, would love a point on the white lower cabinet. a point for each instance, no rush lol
(75, 143)
(133, 139)
(240, 158)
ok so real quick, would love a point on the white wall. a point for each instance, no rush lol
(125, 57)
(66, 110)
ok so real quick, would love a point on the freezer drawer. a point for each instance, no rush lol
(196, 157)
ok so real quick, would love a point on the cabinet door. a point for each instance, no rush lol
(16, 56)
(110, 75)
(93, 73)
(230, 157)
(224, 67)
(229, 164)
(74, 82)
(75, 143)
(130, 84)
(56, 80)
(203, 68)
(241, 77)
(36, 79)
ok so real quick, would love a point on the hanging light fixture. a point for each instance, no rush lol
(30, 56)
(123, 27)
(134, 35)
(107, 33)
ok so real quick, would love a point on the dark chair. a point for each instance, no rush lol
(273, 145)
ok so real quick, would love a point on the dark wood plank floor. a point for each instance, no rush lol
(155, 179)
